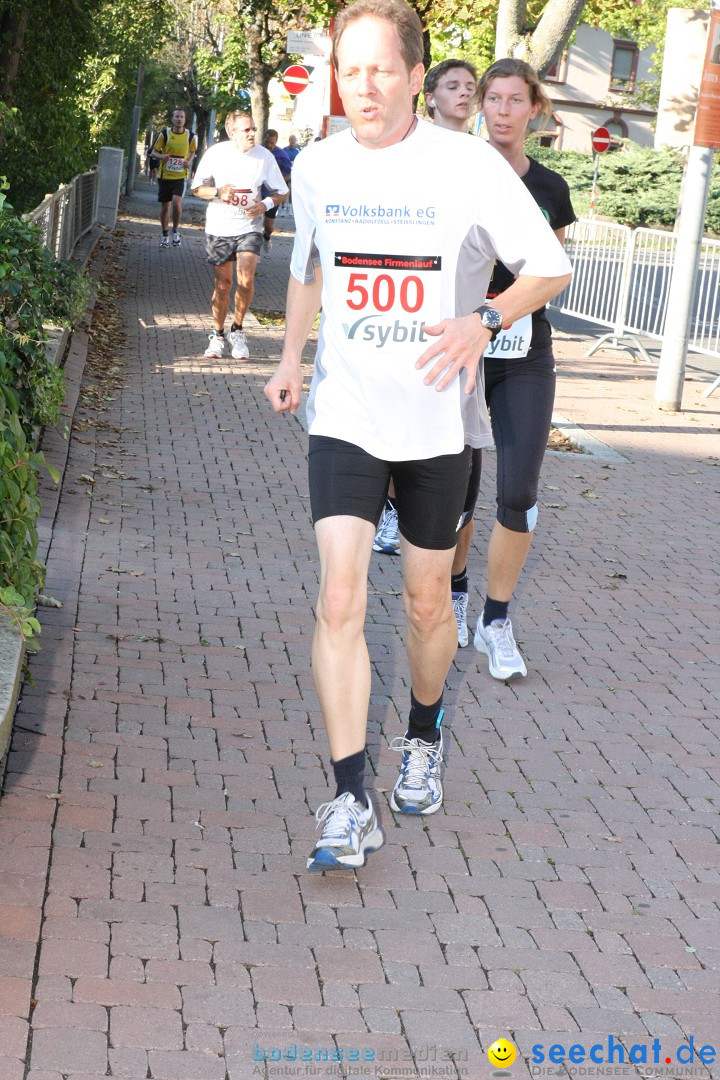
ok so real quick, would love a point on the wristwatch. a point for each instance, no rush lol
(491, 319)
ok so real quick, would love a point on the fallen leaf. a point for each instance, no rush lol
(54, 795)
(613, 839)
(95, 764)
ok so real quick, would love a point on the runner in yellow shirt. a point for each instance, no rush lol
(174, 148)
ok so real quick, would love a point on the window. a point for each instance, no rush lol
(547, 131)
(558, 72)
(624, 66)
(618, 130)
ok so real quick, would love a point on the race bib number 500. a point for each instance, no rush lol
(388, 298)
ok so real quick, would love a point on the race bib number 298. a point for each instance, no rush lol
(388, 298)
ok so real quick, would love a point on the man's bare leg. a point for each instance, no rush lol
(221, 294)
(340, 661)
(176, 211)
(246, 265)
(432, 630)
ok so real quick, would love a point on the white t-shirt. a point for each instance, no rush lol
(222, 163)
(406, 236)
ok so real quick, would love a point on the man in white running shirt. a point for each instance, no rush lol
(399, 266)
(230, 176)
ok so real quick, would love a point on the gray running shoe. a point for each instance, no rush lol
(460, 603)
(496, 641)
(387, 537)
(216, 347)
(418, 789)
(349, 830)
(238, 345)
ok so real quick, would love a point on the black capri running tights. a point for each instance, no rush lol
(520, 394)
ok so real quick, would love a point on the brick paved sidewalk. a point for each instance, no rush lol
(156, 919)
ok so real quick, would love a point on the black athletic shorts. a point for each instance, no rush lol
(429, 493)
(168, 188)
(222, 249)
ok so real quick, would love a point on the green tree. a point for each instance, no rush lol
(79, 94)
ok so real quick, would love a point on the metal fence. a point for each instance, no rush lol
(621, 279)
(68, 214)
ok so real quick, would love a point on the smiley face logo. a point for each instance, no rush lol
(501, 1053)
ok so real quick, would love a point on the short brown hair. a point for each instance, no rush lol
(505, 69)
(401, 17)
(436, 73)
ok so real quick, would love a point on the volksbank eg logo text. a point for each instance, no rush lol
(369, 212)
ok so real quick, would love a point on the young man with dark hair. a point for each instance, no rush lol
(174, 150)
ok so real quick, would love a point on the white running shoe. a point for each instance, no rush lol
(216, 348)
(164, 242)
(176, 239)
(238, 345)
(267, 245)
(349, 831)
(498, 644)
(418, 789)
(460, 603)
(387, 538)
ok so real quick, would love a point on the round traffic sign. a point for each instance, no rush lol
(600, 140)
(295, 78)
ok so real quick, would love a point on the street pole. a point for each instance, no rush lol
(594, 184)
(213, 113)
(681, 298)
(134, 130)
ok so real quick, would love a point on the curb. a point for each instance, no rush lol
(12, 645)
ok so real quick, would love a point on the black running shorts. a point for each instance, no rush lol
(169, 188)
(222, 249)
(429, 494)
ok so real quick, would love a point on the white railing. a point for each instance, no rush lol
(68, 214)
(621, 279)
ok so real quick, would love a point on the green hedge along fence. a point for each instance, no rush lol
(35, 291)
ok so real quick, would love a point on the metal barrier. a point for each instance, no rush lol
(621, 279)
(68, 214)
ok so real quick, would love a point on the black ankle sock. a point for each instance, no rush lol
(494, 609)
(235, 326)
(424, 722)
(459, 582)
(350, 776)
(165, 232)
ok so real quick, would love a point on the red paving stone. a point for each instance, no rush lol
(155, 916)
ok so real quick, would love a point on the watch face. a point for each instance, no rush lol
(491, 318)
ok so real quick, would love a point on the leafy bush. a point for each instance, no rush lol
(34, 290)
(636, 185)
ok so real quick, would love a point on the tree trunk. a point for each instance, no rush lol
(13, 25)
(543, 46)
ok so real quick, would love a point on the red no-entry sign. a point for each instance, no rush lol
(295, 78)
(600, 140)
